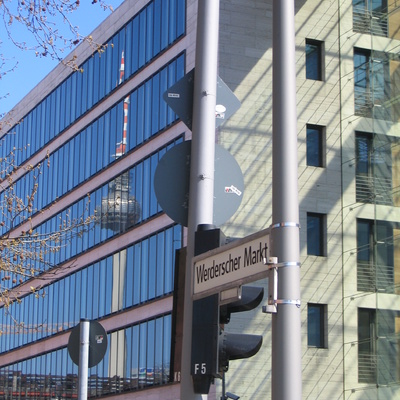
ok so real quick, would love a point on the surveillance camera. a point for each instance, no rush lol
(232, 396)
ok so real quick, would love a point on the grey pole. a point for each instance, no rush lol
(286, 323)
(201, 193)
(83, 359)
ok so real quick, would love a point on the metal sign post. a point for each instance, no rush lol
(87, 345)
(83, 359)
(286, 322)
(202, 162)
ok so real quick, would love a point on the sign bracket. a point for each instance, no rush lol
(273, 300)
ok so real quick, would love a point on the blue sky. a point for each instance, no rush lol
(31, 69)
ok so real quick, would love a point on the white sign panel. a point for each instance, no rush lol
(232, 265)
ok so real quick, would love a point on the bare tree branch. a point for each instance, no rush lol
(39, 19)
(27, 254)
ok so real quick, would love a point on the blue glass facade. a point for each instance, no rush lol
(55, 374)
(94, 148)
(149, 33)
(98, 203)
(135, 275)
(141, 270)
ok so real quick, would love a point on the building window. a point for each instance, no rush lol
(366, 346)
(316, 325)
(373, 169)
(316, 234)
(371, 84)
(378, 346)
(315, 145)
(314, 67)
(377, 268)
(370, 17)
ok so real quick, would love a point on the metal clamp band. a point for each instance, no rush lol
(272, 264)
(296, 303)
(288, 264)
(285, 225)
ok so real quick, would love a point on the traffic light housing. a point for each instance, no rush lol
(205, 320)
(235, 346)
(205, 337)
(212, 347)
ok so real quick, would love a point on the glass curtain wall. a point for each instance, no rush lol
(96, 146)
(138, 355)
(377, 73)
(111, 218)
(135, 275)
(54, 375)
(155, 28)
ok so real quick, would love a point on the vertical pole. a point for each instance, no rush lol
(201, 193)
(83, 359)
(286, 323)
(223, 387)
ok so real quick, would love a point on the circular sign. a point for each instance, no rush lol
(171, 184)
(97, 343)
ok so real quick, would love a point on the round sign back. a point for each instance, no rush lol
(171, 184)
(97, 343)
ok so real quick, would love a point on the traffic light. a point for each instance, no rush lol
(212, 347)
(205, 325)
(205, 337)
(235, 346)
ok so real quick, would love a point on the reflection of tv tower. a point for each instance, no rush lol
(122, 145)
(119, 209)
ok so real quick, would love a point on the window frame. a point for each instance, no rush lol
(314, 63)
(317, 339)
(320, 133)
(321, 249)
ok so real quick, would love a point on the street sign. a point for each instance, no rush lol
(180, 98)
(171, 184)
(234, 264)
(97, 343)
